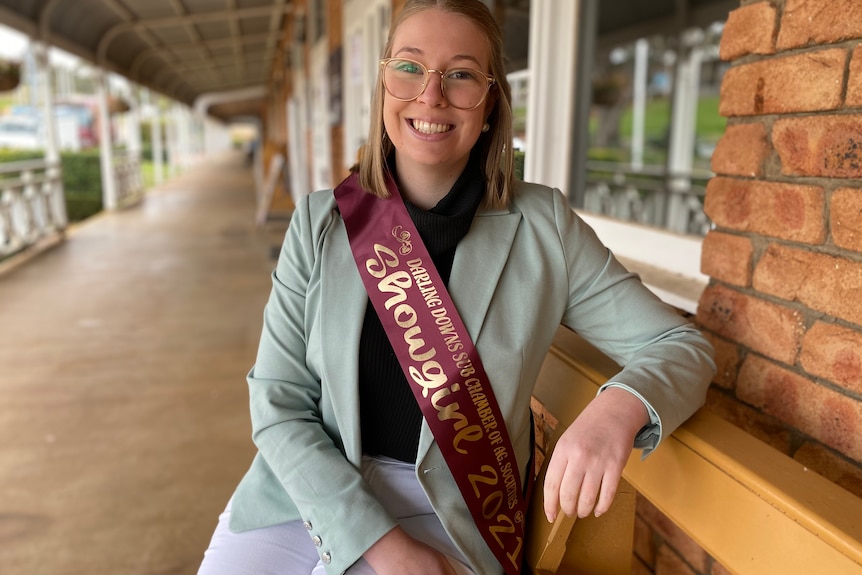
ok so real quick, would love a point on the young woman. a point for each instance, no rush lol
(350, 476)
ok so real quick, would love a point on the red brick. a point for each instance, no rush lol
(673, 536)
(854, 84)
(544, 425)
(644, 548)
(741, 151)
(669, 563)
(832, 418)
(833, 352)
(809, 82)
(764, 427)
(727, 258)
(727, 361)
(639, 567)
(846, 218)
(788, 211)
(831, 466)
(819, 22)
(829, 146)
(822, 282)
(767, 328)
(749, 30)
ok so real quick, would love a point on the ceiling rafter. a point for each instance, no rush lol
(192, 31)
(186, 72)
(236, 37)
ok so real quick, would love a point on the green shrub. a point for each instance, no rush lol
(82, 182)
(82, 206)
(82, 179)
(518, 158)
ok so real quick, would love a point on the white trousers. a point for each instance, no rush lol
(286, 549)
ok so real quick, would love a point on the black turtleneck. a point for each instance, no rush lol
(390, 418)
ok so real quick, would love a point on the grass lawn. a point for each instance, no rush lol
(709, 124)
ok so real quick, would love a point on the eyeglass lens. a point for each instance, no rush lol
(462, 87)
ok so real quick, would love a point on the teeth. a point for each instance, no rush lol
(429, 128)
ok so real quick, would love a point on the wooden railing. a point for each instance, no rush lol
(753, 509)
(32, 205)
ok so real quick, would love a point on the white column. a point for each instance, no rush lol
(171, 140)
(184, 139)
(639, 103)
(134, 119)
(46, 96)
(106, 146)
(682, 135)
(552, 52)
(156, 139)
(176, 145)
(216, 139)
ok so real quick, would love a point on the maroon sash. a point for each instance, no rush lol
(440, 363)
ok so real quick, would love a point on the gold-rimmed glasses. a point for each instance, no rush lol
(463, 88)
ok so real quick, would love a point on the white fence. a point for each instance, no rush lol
(32, 205)
(127, 174)
(650, 195)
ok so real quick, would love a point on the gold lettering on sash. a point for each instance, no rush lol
(395, 283)
(446, 374)
(416, 343)
(385, 258)
(430, 377)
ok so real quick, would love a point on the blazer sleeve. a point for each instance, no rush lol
(288, 429)
(665, 359)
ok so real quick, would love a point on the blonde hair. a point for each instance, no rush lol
(494, 146)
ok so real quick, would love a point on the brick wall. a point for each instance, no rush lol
(784, 304)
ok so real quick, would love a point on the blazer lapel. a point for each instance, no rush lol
(342, 311)
(479, 262)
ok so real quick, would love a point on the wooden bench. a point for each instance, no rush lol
(752, 508)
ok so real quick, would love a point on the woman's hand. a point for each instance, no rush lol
(396, 553)
(588, 460)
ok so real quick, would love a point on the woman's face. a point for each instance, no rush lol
(428, 132)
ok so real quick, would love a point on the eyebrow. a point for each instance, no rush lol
(418, 52)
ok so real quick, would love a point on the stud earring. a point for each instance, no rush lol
(486, 126)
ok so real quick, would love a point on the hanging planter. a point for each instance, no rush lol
(608, 90)
(118, 105)
(10, 75)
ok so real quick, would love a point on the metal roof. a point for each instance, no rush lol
(185, 49)
(223, 50)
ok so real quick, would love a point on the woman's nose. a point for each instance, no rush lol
(433, 95)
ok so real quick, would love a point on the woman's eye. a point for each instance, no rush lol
(469, 75)
(408, 68)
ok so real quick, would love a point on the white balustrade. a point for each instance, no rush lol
(32, 204)
(127, 175)
(647, 196)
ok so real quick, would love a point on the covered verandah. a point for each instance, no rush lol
(123, 406)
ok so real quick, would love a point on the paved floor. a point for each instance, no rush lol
(123, 403)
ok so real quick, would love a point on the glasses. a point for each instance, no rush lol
(463, 88)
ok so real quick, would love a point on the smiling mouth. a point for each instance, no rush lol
(429, 127)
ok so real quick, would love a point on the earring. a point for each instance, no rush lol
(486, 126)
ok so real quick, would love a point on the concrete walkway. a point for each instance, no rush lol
(123, 403)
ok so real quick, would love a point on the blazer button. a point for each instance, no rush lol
(317, 540)
(326, 557)
(307, 525)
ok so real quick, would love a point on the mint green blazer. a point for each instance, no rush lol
(517, 275)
